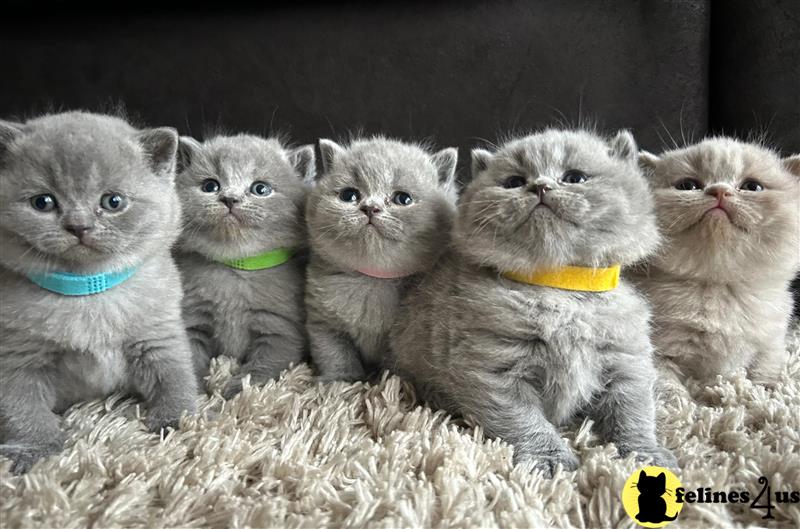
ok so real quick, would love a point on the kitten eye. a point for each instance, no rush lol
(688, 184)
(44, 202)
(751, 185)
(573, 176)
(209, 185)
(514, 181)
(401, 198)
(261, 189)
(349, 194)
(113, 201)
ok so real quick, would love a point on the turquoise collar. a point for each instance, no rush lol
(80, 285)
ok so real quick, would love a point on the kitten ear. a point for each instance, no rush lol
(160, 149)
(648, 161)
(480, 160)
(9, 131)
(792, 164)
(623, 146)
(445, 162)
(330, 150)
(188, 149)
(304, 162)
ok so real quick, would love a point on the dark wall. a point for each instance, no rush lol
(450, 71)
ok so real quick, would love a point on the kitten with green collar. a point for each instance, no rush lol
(91, 296)
(524, 324)
(377, 217)
(240, 252)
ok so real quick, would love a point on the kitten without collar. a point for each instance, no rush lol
(84, 194)
(378, 216)
(243, 196)
(522, 359)
(719, 286)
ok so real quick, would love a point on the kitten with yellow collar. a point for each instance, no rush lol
(525, 325)
(378, 216)
(243, 231)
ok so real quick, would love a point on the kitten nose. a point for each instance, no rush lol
(369, 211)
(229, 201)
(78, 230)
(540, 189)
(719, 191)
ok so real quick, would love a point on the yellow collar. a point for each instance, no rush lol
(571, 278)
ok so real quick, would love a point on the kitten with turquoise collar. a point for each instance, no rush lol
(91, 296)
(240, 252)
(524, 324)
(377, 217)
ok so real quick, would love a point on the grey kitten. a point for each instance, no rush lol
(244, 196)
(86, 194)
(730, 213)
(378, 216)
(522, 359)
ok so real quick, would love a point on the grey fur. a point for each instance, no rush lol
(254, 316)
(58, 350)
(720, 284)
(523, 359)
(349, 313)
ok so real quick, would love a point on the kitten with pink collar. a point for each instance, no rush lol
(380, 214)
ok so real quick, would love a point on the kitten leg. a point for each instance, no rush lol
(511, 410)
(200, 330)
(625, 414)
(29, 430)
(766, 367)
(269, 354)
(334, 354)
(161, 371)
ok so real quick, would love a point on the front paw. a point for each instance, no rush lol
(549, 462)
(161, 417)
(23, 457)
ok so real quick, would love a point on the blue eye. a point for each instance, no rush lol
(113, 202)
(514, 181)
(573, 176)
(210, 185)
(688, 184)
(44, 202)
(751, 185)
(261, 189)
(401, 198)
(349, 194)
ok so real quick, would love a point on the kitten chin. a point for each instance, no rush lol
(381, 211)
(720, 283)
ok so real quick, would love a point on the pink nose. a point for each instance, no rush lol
(719, 191)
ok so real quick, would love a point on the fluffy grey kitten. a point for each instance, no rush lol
(378, 216)
(523, 359)
(243, 196)
(730, 214)
(85, 194)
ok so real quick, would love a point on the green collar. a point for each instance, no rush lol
(262, 261)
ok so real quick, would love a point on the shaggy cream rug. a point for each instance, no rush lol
(297, 454)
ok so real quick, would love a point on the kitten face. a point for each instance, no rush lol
(728, 210)
(556, 198)
(83, 193)
(242, 195)
(382, 204)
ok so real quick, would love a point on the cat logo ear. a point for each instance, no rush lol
(445, 162)
(188, 150)
(330, 150)
(642, 474)
(304, 162)
(792, 164)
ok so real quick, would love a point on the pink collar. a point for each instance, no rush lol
(381, 274)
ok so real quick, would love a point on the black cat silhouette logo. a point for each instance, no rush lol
(649, 497)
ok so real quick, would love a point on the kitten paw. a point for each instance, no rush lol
(160, 418)
(23, 457)
(549, 463)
